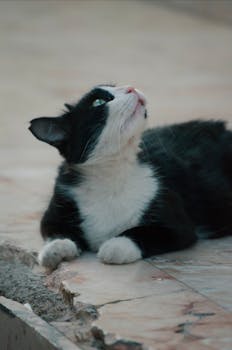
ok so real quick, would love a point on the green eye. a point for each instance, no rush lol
(98, 102)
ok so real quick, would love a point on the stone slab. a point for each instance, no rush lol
(206, 268)
(181, 320)
(143, 303)
(92, 282)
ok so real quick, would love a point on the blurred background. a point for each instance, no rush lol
(178, 52)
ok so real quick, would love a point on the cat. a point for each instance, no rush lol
(128, 193)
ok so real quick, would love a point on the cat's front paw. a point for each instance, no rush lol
(56, 251)
(119, 250)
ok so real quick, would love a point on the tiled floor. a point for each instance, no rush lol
(53, 51)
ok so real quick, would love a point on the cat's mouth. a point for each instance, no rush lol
(140, 102)
(139, 111)
(140, 105)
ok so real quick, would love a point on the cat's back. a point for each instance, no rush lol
(180, 138)
(186, 143)
(194, 160)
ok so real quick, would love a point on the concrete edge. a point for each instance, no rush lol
(20, 328)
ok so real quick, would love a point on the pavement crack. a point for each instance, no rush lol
(122, 300)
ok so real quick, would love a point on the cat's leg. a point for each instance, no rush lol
(57, 250)
(119, 250)
(168, 228)
(144, 241)
(60, 229)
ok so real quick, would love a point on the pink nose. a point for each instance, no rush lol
(130, 89)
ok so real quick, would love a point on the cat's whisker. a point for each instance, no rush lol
(85, 148)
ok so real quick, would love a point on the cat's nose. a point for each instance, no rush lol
(130, 89)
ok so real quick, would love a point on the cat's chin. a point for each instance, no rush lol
(135, 124)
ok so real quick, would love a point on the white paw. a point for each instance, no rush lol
(119, 250)
(57, 250)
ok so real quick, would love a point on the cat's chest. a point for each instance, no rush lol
(109, 206)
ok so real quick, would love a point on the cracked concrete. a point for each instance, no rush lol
(20, 283)
(133, 307)
(26, 284)
(145, 304)
(121, 301)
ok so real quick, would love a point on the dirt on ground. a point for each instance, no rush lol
(19, 283)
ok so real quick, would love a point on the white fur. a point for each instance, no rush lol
(125, 123)
(119, 250)
(57, 250)
(115, 188)
(112, 198)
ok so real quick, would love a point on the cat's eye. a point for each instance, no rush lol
(98, 102)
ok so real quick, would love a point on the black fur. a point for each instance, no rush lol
(192, 162)
(74, 133)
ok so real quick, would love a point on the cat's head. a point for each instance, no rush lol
(105, 122)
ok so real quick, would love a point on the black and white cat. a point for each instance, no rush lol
(126, 193)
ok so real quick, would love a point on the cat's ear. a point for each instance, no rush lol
(69, 107)
(50, 130)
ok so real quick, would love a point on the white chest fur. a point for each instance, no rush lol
(113, 200)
